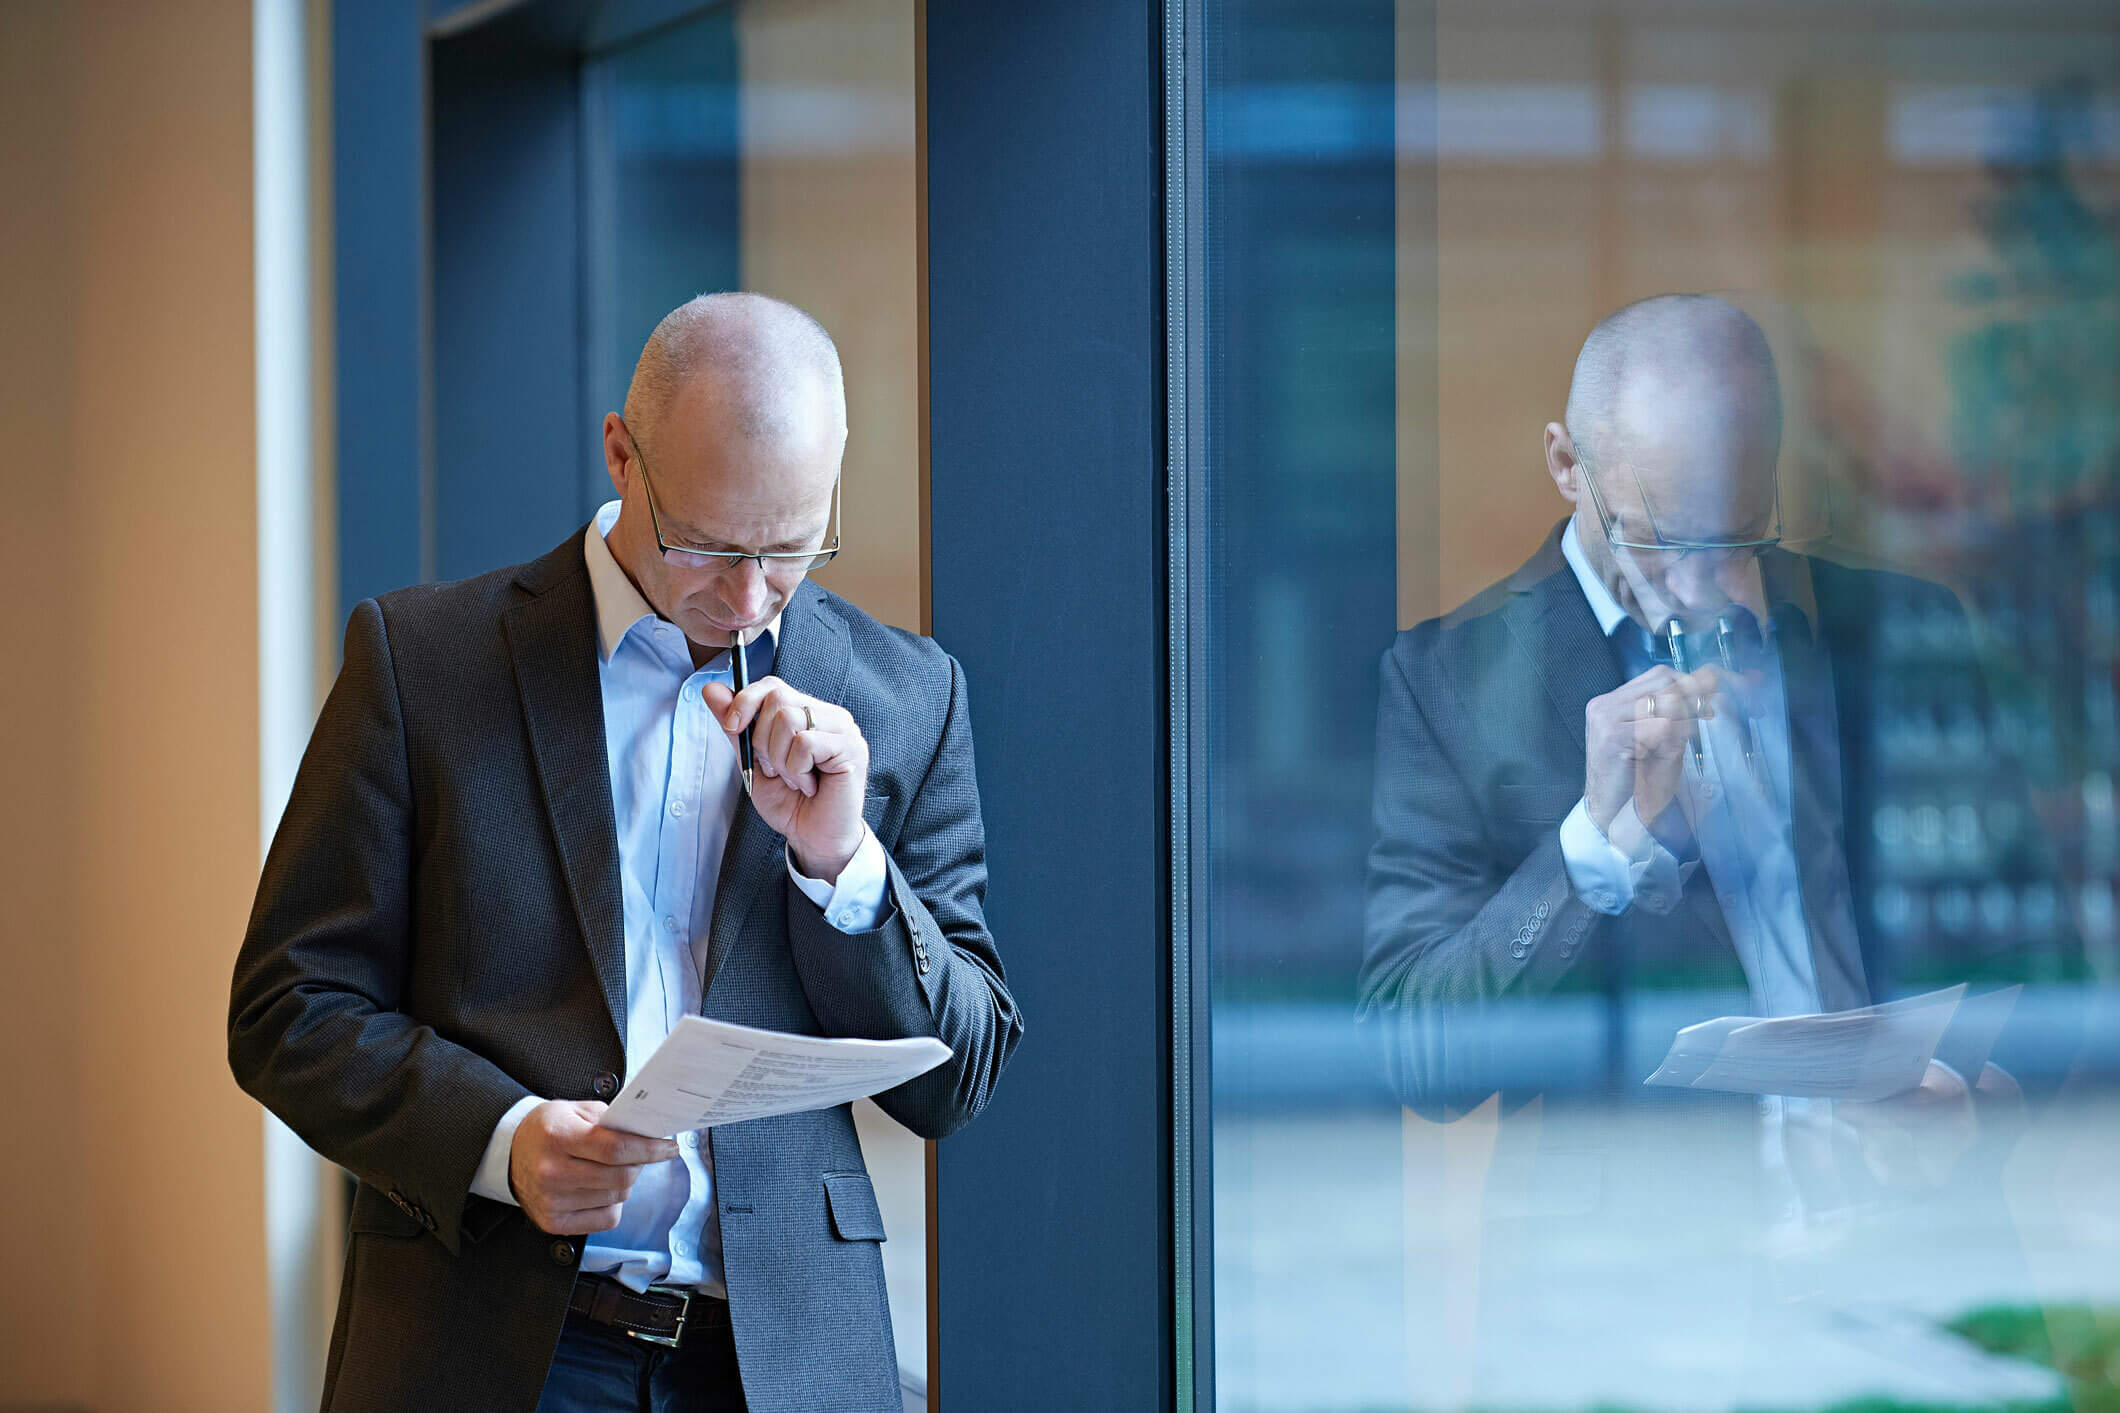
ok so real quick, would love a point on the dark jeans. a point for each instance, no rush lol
(599, 1370)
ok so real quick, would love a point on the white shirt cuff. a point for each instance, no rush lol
(1612, 873)
(856, 902)
(491, 1179)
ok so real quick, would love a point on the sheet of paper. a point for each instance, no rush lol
(1974, 1030)
(1870, 1053)
(710, 1072)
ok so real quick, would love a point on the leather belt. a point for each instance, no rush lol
(658, 1315)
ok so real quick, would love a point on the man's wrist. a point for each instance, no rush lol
(495, 1178)
(856, 900)
(1671, 829)
(828, 873)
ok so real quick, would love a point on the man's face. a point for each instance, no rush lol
(1700, 489)
(716, 487)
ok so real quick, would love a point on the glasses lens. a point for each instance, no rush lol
(698, 561)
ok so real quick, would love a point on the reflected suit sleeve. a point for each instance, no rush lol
(1452, 925)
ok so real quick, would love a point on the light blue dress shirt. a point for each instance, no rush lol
(675, 790)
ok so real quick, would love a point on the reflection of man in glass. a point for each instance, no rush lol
(1625, 761)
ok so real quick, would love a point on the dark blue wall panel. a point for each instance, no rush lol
(1045, 337)
(509, 434)
(379, 183)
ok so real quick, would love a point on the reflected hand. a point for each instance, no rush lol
(1915, 1139)
(811, 770)
(1637, 737)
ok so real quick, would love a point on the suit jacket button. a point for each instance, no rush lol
(563, 1253)
(606, 1085)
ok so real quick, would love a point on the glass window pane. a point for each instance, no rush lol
(1547, 943)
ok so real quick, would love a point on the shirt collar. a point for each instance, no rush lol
(619, 606)
(1609, 614)
(1786, 578)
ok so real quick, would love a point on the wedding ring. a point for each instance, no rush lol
(809, 722)
(1649, 705)
(1700, 708)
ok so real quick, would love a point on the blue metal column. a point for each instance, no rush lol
(379, 261)
(1046, 330)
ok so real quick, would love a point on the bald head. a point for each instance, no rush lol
(756, 367)
(1687, 374)
(1672, 437)
(737, 405)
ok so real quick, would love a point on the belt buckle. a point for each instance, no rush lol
(684, 1312)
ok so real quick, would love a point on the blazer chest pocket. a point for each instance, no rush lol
(852, 1199)
(1531, 801)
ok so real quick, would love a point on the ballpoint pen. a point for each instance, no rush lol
(1725, 644)
(1675, 636)
(740, 678)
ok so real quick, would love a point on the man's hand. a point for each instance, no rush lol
(811, 769)
(1915, 1139)
(1637, 738)
(571, 1176)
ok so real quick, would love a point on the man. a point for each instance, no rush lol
(1560, 805)
(520, 848)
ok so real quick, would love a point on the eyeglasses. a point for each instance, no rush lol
(774, 564)
(1680, 550)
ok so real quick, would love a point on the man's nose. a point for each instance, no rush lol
(747, 590)
(1694, 583)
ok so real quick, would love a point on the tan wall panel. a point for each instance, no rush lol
(147, 736)
(43, 1342)
(831, 222)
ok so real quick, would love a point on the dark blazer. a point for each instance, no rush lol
(438, 933)
(1480, 756)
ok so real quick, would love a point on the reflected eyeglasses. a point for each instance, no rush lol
(1679, 550)
(774, 564)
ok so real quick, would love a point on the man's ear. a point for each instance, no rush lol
(617, 449)
(1561, 463)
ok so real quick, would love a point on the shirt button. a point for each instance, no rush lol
(1608, 901)
(688, 1139)
(681, 1247)
(677, 808)
(1707, 789)
(670, 925)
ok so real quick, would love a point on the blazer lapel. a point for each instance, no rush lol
(552, 637)
(1551, 624)
(812, 656)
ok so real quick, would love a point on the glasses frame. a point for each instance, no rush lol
(1682, 549)
(774, 564)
